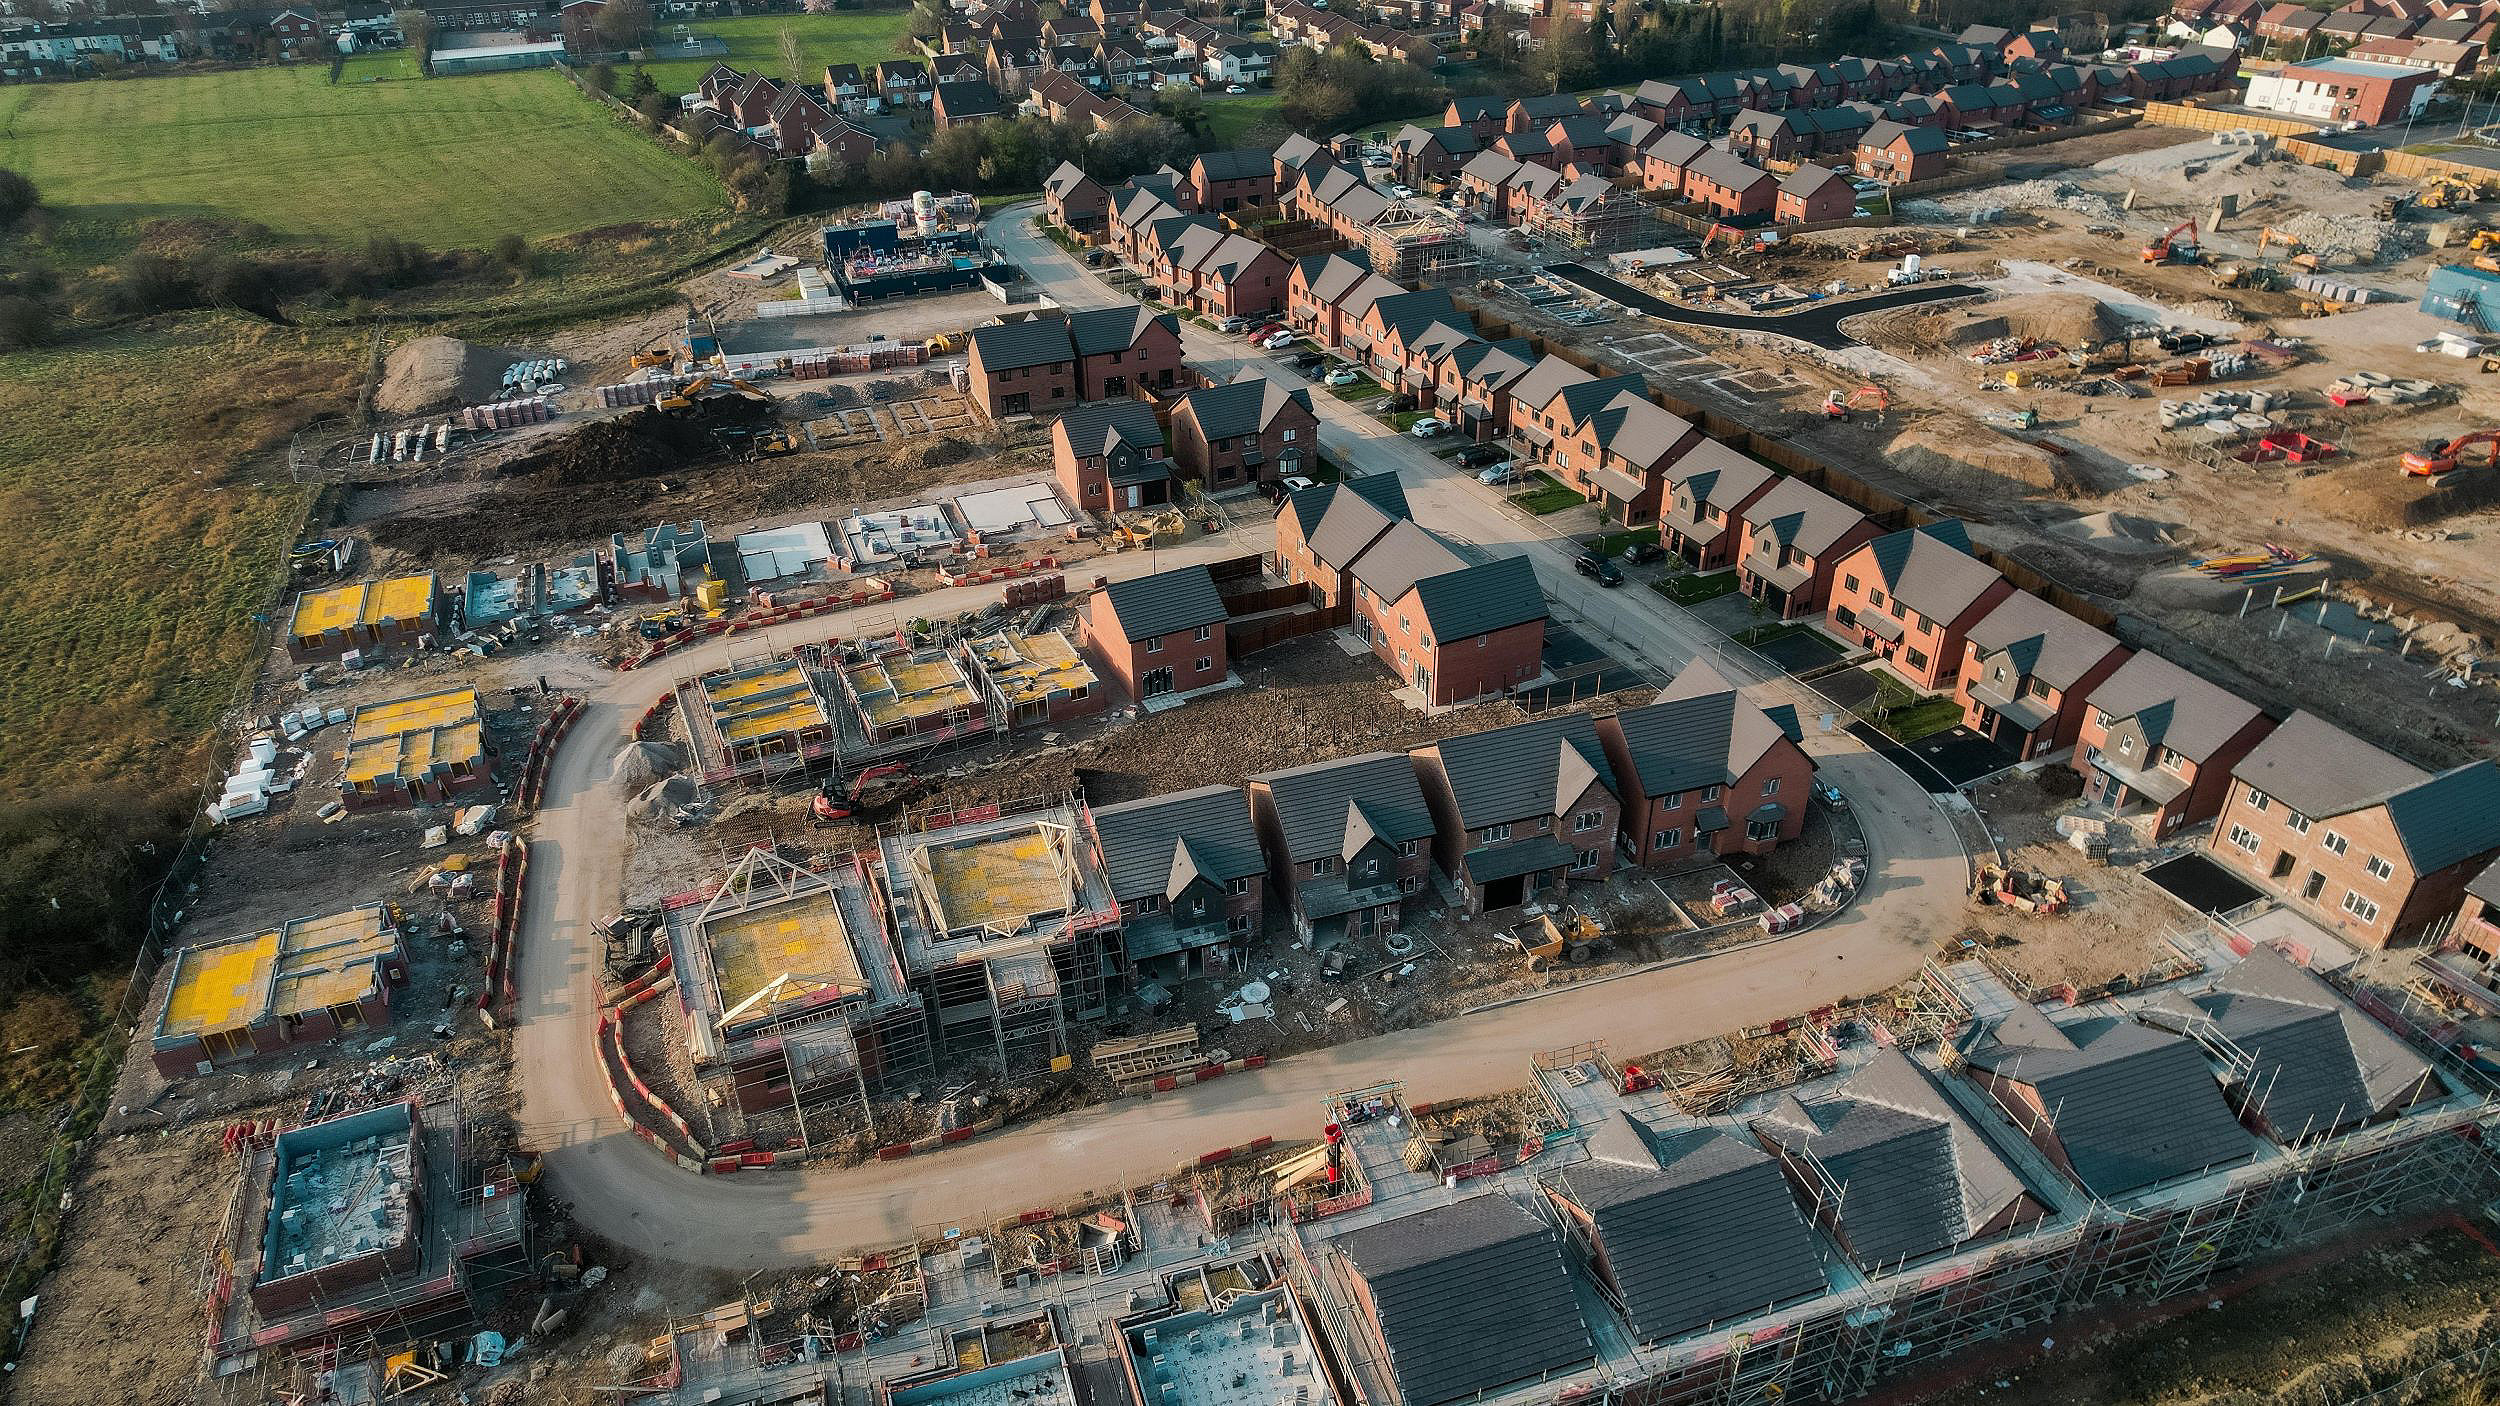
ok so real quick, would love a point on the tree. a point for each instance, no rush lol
(927, 21)
(602, 76)
(18, 197)
(655, 107)
(793, 54)
(77, 874)
(622, 23)
(513, 252)
(418, 26)
(1184, 106)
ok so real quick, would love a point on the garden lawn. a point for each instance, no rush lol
(1549, 496)
(1692, 588)
(449, 163)
(863, 37)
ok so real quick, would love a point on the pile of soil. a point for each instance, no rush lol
(638, 445)
(1975, 464)
(638, 764)
(438, 373)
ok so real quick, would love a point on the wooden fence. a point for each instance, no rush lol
(2292, 136)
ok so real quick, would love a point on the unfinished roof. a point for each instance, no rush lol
(757, 702)
(1148, 846)
(1699, 732)
(1527, 769)
(1032, 668)
(399, 600)
(1469, 1297)
(1321, 807)
(1697, 1226)
(2319, 1064)
(2041, 640)
(1914, 1177)
(2129, 1105)
(2179, 710)
(302, 966)
(408, 739)
(1149, 607)
(1930, 569)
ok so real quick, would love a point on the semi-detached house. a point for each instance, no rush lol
(1159, 635)
(1912, 597)
(2163, 737)
(1710, 489)
(2027, 668)
(1190, 877)
(1522, 811)
(1248, 430)
(1702, 772)
(1048, 363)
(1109, 456)
(1791, 544)
(1454, 630)
(1349, 842)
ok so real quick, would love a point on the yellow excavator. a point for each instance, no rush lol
(656, 357)
(683, 398)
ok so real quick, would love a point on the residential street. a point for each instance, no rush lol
(620, 1188)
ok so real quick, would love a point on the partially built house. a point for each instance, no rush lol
(665, 562)
(1418, 246)
(1229, 1333)
(361, 1233)
(791, 988)
(1022, 1363)
(340, 620)
(1034, 678)
(426, 749)
(911, 696)
(1592, 215)
(1007, 922)
(304, 981)
(758, 717)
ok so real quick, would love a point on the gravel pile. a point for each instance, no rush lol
(2353, 241)
(2020, 195)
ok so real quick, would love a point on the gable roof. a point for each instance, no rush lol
(1638, 430)
(2320, 770)
(1182, 598)
(1797, 514)
(2128, 1104)
(1235, 165)
(2043, 641)
(1930, 569)
(2451, 817)
(1242, 406)
(1697, 1226)
(2179, 710)
(1447, 1337)
(1545, 380)
(1479, 599)
(1098, 427)
(2320, 1063)
(1319, 806)
(1916, 1178)
(1143, 842)
(1097, 331)
(1810, 180)
(1698, 732)
(1523, 770)
(1342, 525)
(1718, 475)
(1035, 341)
(967, 97)
(1400, 557)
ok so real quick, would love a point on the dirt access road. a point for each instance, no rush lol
(619, 1188)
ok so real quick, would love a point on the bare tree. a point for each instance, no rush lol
(793, 57)
(622, 23)
(418, 26)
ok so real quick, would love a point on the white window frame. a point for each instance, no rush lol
(2244, 838)
(2364, 909)
(2380, 869)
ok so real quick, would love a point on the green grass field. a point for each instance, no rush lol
(861, 37)
(448, 162)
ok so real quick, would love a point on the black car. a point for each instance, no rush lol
(1602, 570)
(1306, 361)
(1397, 403)
(1476, 456)
(1643, 553)
(1095, 258)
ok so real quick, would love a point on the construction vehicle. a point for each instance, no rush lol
(837, 801)
(945, 344)
(2446, 193)
(657, 357)
(684, 397)
(2020, 890)
(1544, 941)
(2170, 248)
(2435, 458)
(1739, 241)
(746, 444)
(1841, 406)
(2269, 237)
(2392, 207)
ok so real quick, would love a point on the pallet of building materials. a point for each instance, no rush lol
(2337, 290)
(2379, 388)
(507, 414)
(644, 390)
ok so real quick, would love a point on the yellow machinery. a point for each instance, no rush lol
(2447, 193)
(684, 398)
(658, 357)
(2483, 239)
(1545, 941)
(945, 344)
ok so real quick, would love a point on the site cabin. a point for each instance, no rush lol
(1453, 630)
(1322, 530)
(1709, 490)
(2356, 839)
(2027, 668)
(1790, 544)
(1705, 774)
(367, 615)
(1911, 597)
(1160, 635)
(1522, 812)
(1249, 430)
(1076, 202)
(1191, 880)
(2161, 736)
(1349, 840)
(301, 983)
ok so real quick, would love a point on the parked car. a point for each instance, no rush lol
(1428, 426)
(1277, 341)
(1308, 361)
(1831, 797)
(1264, 331)
(1478, 455)
(1501, 474)
(1342, 376)
(1398, 404)
(1295, 483)
(1235, 89)
(1095, 258)
(1602, 570)
(1276, 490)
(1377, 158)
(1233, 324)
(1643, 553)
(1402, 192)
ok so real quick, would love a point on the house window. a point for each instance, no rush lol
(1545, 824)
(1674, 802)
(1709, 794)
(1151, 903)
(2246, 839)
(1762, 829)
(1666, 839)
(1587, 820)
(1586, 861)
(1237, 887)
(1407, 850)
(1323, 866)
(1289, 434)
(2126, 746)
(1492, 833)
(1154, 646)
(1998, 676)
(1205, 633)
(1875, 599)
(2296, 822)
(1410, 883)
(2360, 907)
(1238, 925)
(1917, 658)
(2380, 868)
(1770, 786)
(2333, 843)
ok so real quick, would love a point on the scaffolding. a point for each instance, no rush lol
(763, 716)
(1419, 247)
(1604, 224)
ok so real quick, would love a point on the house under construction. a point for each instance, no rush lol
(1419, 246)
(791, 988)
(1593, 215)
(305, 980)
(1033, 678)
(759, 717)
(1006, 921)
(905, 698)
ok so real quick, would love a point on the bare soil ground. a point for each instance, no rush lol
(2116, 920)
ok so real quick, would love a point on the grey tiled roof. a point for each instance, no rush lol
(1240, 407)
(1400, 557)
(1036, 341)
(2180, 710)
(1097, 427)
(1915, 1177)
(1797, 514)
(1700, 732)
(1345, 524)
(1315, 804)
(1545, 380)
(1479, 599)
(1930, 569)
(2320, 770)
(2129, 1105)
(1700, 1230)
(1140, 838)
(1239, 165)
(1469, 1297)
(1099, 330)
(1066, 178)
(2320, 1063)
(2452, 817)
(2042, 640)
(1182, 598)
(2486, 885)
(1523, 771)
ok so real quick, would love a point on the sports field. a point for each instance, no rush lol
(448, 162)
(863, 37)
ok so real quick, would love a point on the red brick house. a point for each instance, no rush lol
(1471, 386)
(1709, 489)
(1896, 154)
(1704, 774)
(1076, 202)
(1322, 287)
(1452, 629)
(2027, 669)
(1249, 430)
(1522, 812)
(1420, 154)
(1349, 842)
(1812, 194)
(1158, 635)
(1047, 363)
(2476, 935)
(1664, 162)
(966, 100)
(1790, 544)
(1912, 597)
(1729, 188)
(1322, 530)
(1109, 457)
(1230, 180)
(1484, 184)
(2160, 735)
(1190, 878)
(845, 145)
(2360, 841)
(1219, 274)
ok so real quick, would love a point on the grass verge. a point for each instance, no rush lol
(863, 37)
(1549, 496)
(1692, 588)
(1906, 716)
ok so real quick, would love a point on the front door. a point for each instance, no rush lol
(2317, 885)
(1156, 682)
(2282, 865)
(1505, 893)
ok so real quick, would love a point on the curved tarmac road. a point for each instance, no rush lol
(620, 1189)
(1816, 324)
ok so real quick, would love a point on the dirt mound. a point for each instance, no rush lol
(936, 452)
(638, 764)
(437, 373)
(2117, 532)
(1974, 463)
(659, 798)
(638, 445)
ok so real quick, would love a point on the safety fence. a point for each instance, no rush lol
(543, 743)
(612, 1046)
(511, 874)
(765, 618)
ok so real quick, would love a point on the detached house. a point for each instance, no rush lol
(1047, 363)
(1522, 811)
(1190, 878)
(1159, 635)
(1912, 597)
(1712, 486)
(1790, 545)
(2161, 735)
(1109, 457)
(1076, 202)
(1249, 430)
(1453, 629)
(1728, 187)
(1814, 194)
(1228, 180)
(1703, 773)
(1474, 380)
(1896, 154)
(2359, 840)
(1349, 842)
(2027, 669)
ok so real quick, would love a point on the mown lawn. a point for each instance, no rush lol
(854, 36)
(448, 162)
(1692, 588)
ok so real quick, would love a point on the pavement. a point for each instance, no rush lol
(619, 1188)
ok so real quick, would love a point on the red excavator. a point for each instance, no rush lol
(2171, 248)
(2435, 458)
(837, 801)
